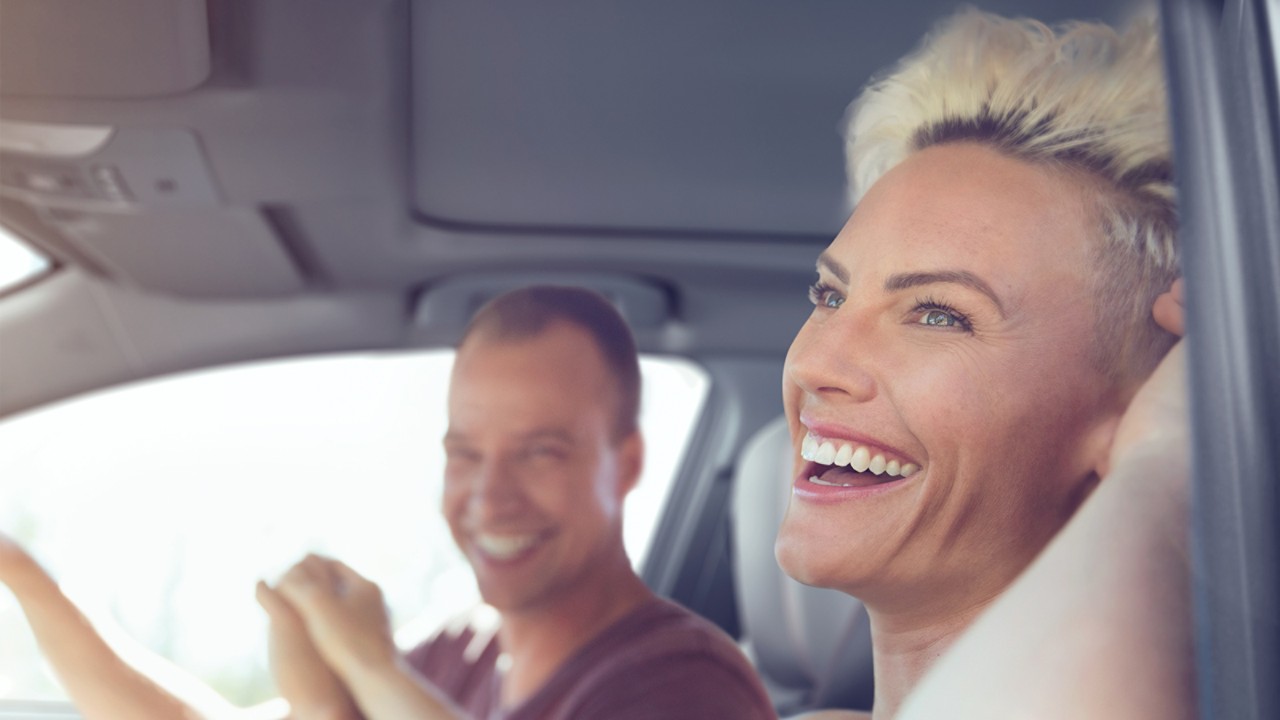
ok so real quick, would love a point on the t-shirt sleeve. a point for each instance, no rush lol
(697, 686)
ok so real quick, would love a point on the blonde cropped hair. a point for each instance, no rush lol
(1084, 99)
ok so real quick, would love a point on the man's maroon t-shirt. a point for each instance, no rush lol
(658, 662)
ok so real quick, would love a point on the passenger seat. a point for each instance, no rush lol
(811, 646)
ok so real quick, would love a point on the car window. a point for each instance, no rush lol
(18, 262)
(159, 505)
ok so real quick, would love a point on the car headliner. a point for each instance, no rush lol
(305, 174)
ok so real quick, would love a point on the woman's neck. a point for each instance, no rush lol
(906, 644)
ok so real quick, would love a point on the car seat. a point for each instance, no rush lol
(811, 646)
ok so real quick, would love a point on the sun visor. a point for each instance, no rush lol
(116, 49)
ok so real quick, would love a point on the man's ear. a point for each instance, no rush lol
(630, 462)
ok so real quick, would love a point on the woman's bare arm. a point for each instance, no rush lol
(99, 682)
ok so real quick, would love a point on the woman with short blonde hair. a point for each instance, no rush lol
(981, 323)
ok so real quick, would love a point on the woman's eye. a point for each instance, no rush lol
(940, 315)
(825, 296)
(939, 318)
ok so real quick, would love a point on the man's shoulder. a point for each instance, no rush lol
(666, 660)
(661, 627)
(665, 616)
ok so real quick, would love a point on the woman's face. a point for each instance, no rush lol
(949, 344)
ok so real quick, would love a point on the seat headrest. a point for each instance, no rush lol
(812, 646)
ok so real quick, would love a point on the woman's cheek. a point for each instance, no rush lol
(943, 375)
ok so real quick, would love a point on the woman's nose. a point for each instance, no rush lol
(833, 357)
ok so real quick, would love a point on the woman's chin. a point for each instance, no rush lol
(807, 561)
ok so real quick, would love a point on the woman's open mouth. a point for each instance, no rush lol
(842, 464)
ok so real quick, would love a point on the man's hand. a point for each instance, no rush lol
(344, 615)
(301, 675)
(347, 621)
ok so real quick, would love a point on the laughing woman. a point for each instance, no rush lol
(980, 325)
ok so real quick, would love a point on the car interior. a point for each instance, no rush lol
(210, 183)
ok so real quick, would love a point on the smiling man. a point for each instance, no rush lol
(543, 447)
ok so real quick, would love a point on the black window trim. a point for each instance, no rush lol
(1223, 103)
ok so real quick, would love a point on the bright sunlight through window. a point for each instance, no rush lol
(18, 262)
(159, 505)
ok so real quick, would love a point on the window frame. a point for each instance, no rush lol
(1223, 100)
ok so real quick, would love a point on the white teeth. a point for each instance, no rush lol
(504, 547)
(809, 447)
(861, 459)
(842, 457)
(826, 453)
(877, 464)
(856, 457)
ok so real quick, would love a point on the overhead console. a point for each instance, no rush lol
(102, 168)
(138, 204)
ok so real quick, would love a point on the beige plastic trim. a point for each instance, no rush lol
(104, 49)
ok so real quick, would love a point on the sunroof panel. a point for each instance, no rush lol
(720, 115)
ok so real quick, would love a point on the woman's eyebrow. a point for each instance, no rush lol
(833, 267)
(903, 281)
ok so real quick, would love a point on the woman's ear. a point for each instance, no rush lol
(1169, 313)
(1169, 309)
(1100, 440)
(1157, 407)
(1098, 444)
